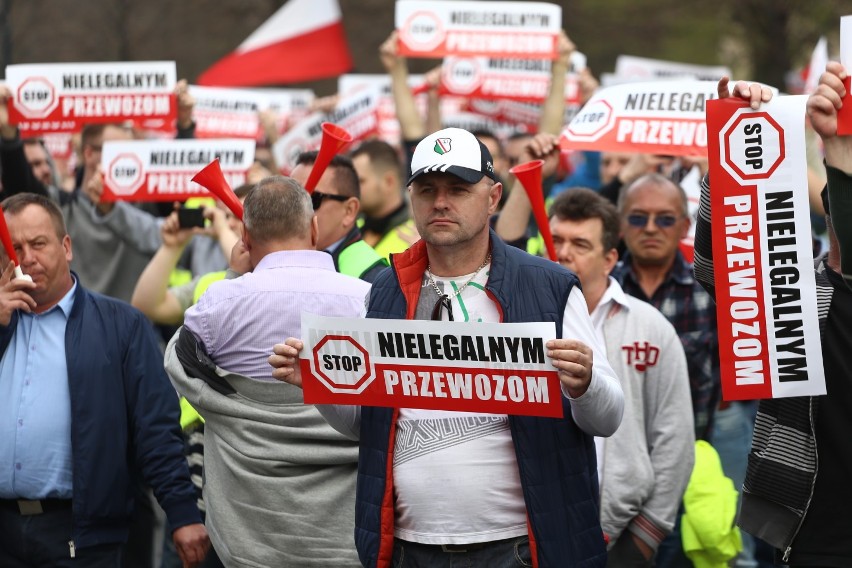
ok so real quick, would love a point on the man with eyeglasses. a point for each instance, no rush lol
(654, 219)
(337, 202)
(439, 488)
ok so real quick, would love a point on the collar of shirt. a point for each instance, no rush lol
(613, 299)
(65, 304)
(295, 259)
(335, 245)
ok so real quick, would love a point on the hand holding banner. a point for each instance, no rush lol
(662, 117)
(769, 338)
(162, 170)
(470, 367)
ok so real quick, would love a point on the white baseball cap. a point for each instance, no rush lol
(453, 151)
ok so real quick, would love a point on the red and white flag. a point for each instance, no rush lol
(303, 41)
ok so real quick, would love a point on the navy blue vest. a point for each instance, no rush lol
(556, 460)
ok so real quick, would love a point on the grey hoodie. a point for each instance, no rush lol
(279, 482)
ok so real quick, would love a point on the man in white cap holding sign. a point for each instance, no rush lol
(436, 486)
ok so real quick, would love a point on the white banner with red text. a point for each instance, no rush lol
(519, 30)
(162, 170)
(220, 112)
(766, 298)
(62, 97)
(660, 117)
(460, 366)
(525, 80)
(631, 68)
(356, 112)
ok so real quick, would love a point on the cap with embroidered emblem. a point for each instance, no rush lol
(453, 151)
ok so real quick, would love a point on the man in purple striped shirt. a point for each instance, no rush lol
(273, 466)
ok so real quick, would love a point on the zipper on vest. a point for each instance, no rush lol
(789, 548)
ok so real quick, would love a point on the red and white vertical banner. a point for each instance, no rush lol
(62, 97)
(460, 366)
(521, 30)
(220, 112)
(162, 170)
(769, 340)
(514, 79)
(844, 114)
(660, 117)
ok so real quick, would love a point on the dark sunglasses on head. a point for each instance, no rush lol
(443, 302)
(640, 220)
(317, 197)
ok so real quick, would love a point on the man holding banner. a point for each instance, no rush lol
(797, 484)
(487, 489)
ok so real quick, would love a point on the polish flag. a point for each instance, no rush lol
(302, 41)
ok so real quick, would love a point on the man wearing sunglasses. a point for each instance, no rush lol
(654, 219)
(654, 445)
(439, 488)
(337, 203)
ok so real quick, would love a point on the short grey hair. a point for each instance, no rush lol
(277, 209)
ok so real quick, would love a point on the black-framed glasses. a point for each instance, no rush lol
(640, 220)
(318, 196)
(443, 302)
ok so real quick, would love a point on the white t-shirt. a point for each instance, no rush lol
(455, 474)
(467, 458)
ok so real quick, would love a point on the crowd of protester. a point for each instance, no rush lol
(164, 432)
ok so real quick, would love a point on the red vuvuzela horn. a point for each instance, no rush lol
(529, 174)
(212, 179)
(10, 248)
(334, 138)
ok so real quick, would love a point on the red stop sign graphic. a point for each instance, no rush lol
(342, 365)
(752, 146)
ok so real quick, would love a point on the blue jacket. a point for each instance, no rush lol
(124, 420)
(556, 460)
